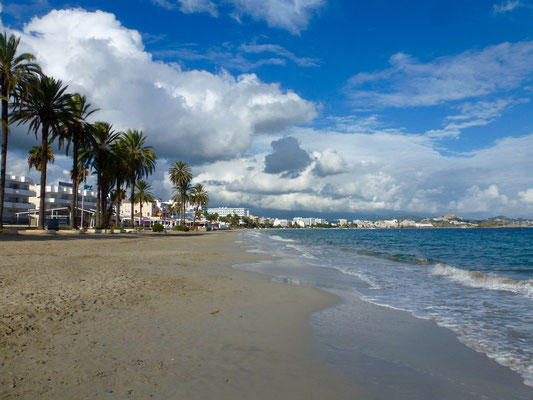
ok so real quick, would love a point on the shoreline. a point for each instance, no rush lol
(390, 353)
(162, 316)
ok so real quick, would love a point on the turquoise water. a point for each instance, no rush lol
(476, 282)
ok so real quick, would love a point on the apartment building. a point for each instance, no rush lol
(225, 211)
(150, 209)
(17, 196)
(60, 196)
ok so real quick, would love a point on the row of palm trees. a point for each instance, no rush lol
(184, 194)
(42, 103)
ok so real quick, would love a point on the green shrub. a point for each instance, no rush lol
(99, 227)
(157, 228)
(181, 228)
(116, 227)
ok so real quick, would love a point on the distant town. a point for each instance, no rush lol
(22, 204)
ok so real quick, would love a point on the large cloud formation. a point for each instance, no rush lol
(382, 172)
(195, 114)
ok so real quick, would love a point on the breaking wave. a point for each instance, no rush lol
(480, 280)
(280, 239)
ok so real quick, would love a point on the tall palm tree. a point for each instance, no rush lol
(199, 198)
(120, 175)
(143, 195)
(82, 174)
(117, 196)
(35, 157)
(140, 159)
(99, 156)
(181, 176)
(15, 69)
(47, 108)
(182, 198)
(77, 132)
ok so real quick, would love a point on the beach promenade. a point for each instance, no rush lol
(149, 316)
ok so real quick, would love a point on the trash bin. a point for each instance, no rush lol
(52, 225)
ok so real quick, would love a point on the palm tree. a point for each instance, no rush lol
(82, 174)
(15, 69)
(99, 156)
(35, 157)
(182, 198)
(199, 198)
(47, 107)
(143, 195)
(181, 176)
(117, 196)
(140, 160)
(120, 175)
(78, 133)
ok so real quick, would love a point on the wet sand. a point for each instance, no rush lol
(153, 316)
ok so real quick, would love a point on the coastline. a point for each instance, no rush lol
(387, 352)
(148, 316)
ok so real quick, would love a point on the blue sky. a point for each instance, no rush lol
(384, 107)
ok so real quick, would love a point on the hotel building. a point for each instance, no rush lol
(60, 197)
(225, 211)
(17, 196)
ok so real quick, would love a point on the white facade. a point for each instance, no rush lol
(281, 222)
(17, 195)
(225, 211)
(61, 196)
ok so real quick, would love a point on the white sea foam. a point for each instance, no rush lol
(280, 239)
(367, 279)
(480, 280)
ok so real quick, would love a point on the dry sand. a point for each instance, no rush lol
(152, 316)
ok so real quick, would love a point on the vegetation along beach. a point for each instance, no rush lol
(266, 199)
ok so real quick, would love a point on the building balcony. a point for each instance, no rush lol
(18, 206)
(20, 192)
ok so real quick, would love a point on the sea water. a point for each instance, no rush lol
(476, 282)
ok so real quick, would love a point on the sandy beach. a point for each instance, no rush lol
(153, 316)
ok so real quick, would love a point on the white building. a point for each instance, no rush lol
(406, 223)
(281, 223)
(60, 196)
(299, 221)
(225, 211)
(17, 195)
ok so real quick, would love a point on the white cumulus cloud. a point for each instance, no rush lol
(194, 114)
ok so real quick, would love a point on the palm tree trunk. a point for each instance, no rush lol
(3, 171)
(44, 163)
(74, 207)
(140, 212)
(105, 213)
(132, 203)
(102, 207)
(117, 218)
(182, 209)
(98, 190)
